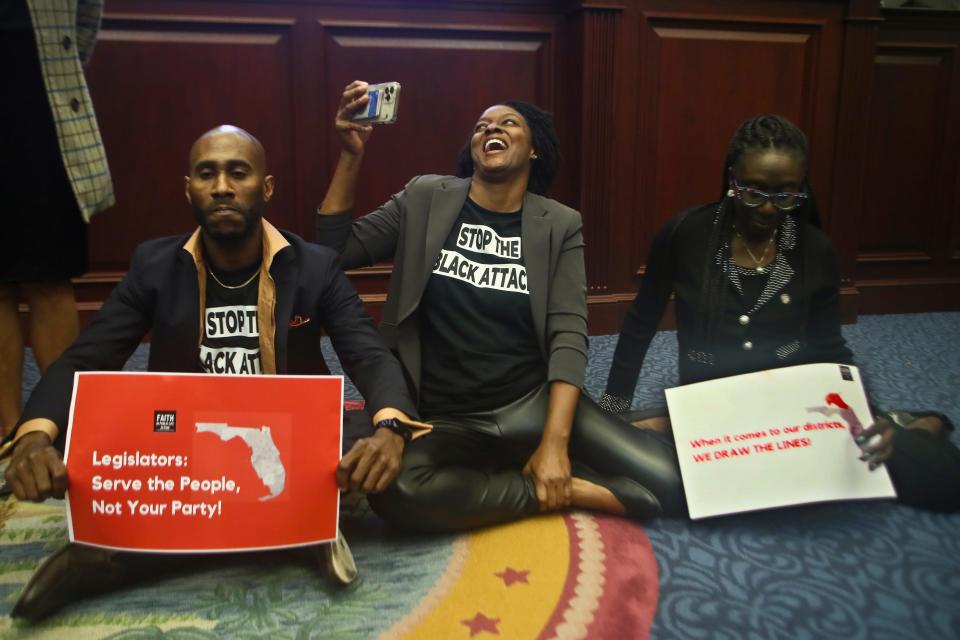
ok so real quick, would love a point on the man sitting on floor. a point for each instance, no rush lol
(174, 289)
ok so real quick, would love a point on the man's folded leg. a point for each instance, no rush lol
(79, 571)
(75, 571)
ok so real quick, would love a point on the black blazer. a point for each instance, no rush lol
(160, 294)
(411, 228)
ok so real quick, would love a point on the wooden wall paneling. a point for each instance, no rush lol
(597, 150)
(160, 81)
(646, 95)
(846, 200)
(712, 73)
(954, 251)
(598, 35)
(701, 71)
(449, 74)
(952, 145)
(610, 300)
(902, 224)
(692, 72)
(568, 107)
(906, 258)
(953, 109)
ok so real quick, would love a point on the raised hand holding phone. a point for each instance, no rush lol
(353, 134)
(383, 104)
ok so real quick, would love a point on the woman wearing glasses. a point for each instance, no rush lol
(756, 287)
(741, 268)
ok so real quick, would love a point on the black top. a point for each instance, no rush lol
(15, 16)
(231, 331)
(479, 348)
(753, 284)
(795, 319)
(411, 228)
(160, 294)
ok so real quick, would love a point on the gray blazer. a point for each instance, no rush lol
(412, 227)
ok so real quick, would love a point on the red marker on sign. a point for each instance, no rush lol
(835, 400)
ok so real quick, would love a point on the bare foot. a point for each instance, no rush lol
(587, 495)
(933, 424)
(660, 424)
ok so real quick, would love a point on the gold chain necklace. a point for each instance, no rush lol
(758, 262)
(236, 286)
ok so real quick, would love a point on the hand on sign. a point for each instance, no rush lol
(877, 449)
(36, 471)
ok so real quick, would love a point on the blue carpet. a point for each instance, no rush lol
(860, 570)
(857, 570)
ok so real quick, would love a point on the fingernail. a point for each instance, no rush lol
(860, 439)
(865, 456)
(873, 465)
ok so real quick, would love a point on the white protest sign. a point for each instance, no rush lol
(773, 438)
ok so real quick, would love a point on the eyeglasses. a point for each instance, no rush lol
(754, 197)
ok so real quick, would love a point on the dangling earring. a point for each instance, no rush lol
(731, 193)
(534, 157)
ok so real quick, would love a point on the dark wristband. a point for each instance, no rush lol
(397, 427)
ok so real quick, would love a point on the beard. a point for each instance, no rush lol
(229, 232)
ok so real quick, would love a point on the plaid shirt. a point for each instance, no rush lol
(65, 33)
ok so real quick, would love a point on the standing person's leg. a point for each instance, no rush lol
(11, 357)
(54, 322)
(623, 456)
(44, 232)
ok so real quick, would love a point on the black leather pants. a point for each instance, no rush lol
(924, 467)
(925, 470)
(467, 472)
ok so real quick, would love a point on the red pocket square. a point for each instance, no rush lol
(298, 321)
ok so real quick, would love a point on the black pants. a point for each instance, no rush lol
(467, 472)
(925, 470)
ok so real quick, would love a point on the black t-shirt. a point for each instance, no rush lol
(231, 330)
(478, 343)
(752, 285)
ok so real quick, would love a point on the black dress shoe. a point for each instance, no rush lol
(74, 572)
(639, 501)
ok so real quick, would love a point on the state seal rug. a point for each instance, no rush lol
(564, 576)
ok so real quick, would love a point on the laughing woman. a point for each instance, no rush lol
(486, 310)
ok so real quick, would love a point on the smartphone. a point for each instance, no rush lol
(383, 106)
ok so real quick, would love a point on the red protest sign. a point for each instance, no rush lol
(193, 462)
